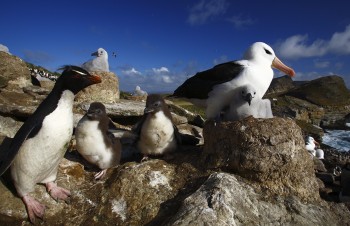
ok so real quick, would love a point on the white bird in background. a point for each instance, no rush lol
(100, 63)
(244, 103)
(212, 88)
(311, 145)
(139, 92)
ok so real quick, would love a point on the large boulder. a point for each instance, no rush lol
(132, 194)
(270, 152)
(226, 199)
(106, 92)
(13, 71)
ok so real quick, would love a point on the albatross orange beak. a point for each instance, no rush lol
(276, 63)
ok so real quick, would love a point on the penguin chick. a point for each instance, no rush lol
(94, 142)
(40, 144)
(157, 133)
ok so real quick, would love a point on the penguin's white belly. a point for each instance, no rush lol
(157, 135)
(91, 145)
(38, 158)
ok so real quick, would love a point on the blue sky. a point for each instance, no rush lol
(159, 44)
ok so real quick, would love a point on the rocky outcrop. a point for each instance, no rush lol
(275, 158)
(324, 91)
(322, 102)
(106, 92)
(13, 71)
(225, 199)
(279, 86)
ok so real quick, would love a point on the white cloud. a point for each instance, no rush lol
(156, 79)
(167, 79)
(240, 21)
(131, 72)
(4, 49)
(296, 46)
(206, 9)
(160, 70)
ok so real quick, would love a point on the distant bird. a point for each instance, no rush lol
(139, 92)
(310, 145)
(114, 54)
(40, 144)
(157, 133)
(41, 75)
(94, 142)
(212, 88)
(100, 63)
(244, 103)
(319, 153)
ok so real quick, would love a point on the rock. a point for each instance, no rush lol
(324, 91)
(13, 71)
(298, 109)
(106, 92)
(9, 126)
(279, 86)
(71, 176)
(121, 109)
(191, 117)
(224, 199)
(132, 194)
(329, 92)
(178, 120)
(275, 158)
(136, 193)
(335, 117)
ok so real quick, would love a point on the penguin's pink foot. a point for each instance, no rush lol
(56, 192)
(34, 208)
(100, 174)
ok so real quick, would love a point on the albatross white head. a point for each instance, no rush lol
(264, 54)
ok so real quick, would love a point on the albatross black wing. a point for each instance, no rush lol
(199, 85)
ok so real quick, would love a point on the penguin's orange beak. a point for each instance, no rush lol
(95, 79)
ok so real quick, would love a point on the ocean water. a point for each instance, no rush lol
(338, 139)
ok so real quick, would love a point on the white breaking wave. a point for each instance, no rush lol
(338, 139)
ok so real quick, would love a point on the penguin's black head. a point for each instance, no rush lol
(75, 78)
(154, 103)
(96, 110)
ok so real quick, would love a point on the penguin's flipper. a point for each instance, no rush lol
(177, 135)
(138, 126)
(187, 139)
(10, 149)
(111, 125)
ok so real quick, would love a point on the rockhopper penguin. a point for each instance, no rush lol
(94, 142)
(40, 144)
